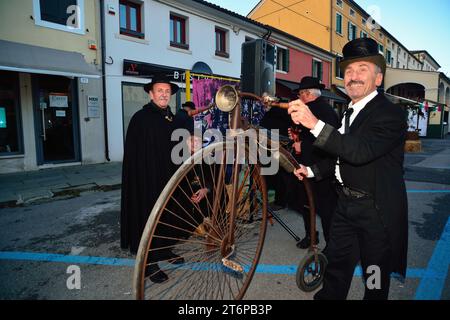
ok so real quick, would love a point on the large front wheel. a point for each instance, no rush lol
(186, 251)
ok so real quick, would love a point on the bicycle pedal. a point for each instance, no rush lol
(232, 265)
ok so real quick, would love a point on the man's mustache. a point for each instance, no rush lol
(355, 82)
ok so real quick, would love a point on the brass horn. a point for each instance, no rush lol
(227, 97)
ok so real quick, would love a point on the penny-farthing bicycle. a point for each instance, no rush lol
(219, 239)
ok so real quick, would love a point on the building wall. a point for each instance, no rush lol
(17, 26)
(308, 20)
(156, 49)
(301, 66)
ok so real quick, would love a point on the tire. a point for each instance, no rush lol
(200, 233)
(307, 278)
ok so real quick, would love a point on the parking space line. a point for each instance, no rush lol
(432, 283)
(119, 262)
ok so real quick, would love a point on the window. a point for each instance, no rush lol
(388, 56)
(130, 19)
(381, 49)
(393, 46)
(351, 31)
(64, 15)
(363, 34)
(221, 43)
(352, 13)
(363, 21)
(282, 59)
(339, 3)
(178, 32)
(381, 35)
(317, 69)
(339, 23)
(338, 71)
(10, 130)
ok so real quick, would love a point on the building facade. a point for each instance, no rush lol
(50, 84)
(186, 37)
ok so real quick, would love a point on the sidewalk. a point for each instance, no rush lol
(25, 187)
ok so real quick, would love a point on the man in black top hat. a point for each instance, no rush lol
(309, 92)
(371, 219)
(147, 167)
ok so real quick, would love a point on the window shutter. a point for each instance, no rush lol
(349, 31)
(287, 60)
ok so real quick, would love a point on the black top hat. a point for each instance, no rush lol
(362, 49)
(161, 78)
(310, 83)
(189, 104)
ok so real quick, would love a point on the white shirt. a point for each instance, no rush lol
(357, 107)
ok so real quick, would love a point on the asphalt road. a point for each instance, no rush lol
(41, 243)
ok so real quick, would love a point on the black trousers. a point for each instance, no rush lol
(357, 233)
(325, 198)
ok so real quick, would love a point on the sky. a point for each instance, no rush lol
(417, 24)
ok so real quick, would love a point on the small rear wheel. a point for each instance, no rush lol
(310, 271)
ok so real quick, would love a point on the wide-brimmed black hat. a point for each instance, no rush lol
(310, 83)
(189, 104)
(362, 49)
(161, 78)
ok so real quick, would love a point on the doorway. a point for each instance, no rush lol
(56, 119)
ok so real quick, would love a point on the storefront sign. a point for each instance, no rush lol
(148, 70)
(93, 107)
(59, 101)
(2, 118)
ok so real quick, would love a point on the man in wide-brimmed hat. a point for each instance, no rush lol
(371, 220)
(147, 167)
(310, 93)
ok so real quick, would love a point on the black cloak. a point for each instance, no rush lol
(146, 169)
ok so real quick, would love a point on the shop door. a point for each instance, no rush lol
(56, 114)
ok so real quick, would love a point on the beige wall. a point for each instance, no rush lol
(16, 25)
(428, 79)
(308, 20)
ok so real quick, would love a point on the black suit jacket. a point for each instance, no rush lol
(371, 159)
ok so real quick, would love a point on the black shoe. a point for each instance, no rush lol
(306, 241)
(155, 274)
(173, 258)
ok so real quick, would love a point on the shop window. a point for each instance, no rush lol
(178, 32)
(338, 70)
(130, 19)
(10, 120)
(65, 15)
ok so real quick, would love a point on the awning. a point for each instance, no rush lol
(327, 94)
(333, 96)
(400, 100)
(32, 59)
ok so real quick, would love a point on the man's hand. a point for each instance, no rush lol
(199, 195)
(301, 114)
(297, 147)
(301, 173)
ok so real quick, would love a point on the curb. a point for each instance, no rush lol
(49, 194)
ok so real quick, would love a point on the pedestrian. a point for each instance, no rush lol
(321, 181)
(371, 219)
(147, 167)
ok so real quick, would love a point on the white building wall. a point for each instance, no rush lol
(155, 49)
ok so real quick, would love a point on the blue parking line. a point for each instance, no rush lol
(50, 257)
(432, 283)
(427, 191)
(117, 262)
